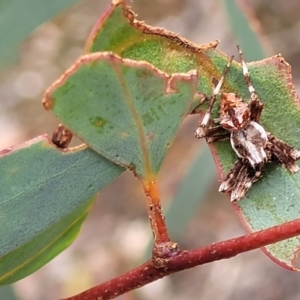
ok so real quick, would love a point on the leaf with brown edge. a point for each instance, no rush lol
(125, 110)
(273, 199)
(118, 31)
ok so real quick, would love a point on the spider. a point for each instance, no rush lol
(239, 121)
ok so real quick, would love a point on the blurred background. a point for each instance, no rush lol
(116, 236)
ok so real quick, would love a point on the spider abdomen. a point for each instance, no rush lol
(250, 143)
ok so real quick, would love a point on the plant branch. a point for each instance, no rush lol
(182, 260)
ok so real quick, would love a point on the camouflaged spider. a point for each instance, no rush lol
(254, 147)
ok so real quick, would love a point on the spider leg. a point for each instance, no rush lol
(255, 105)
(283, 153)
(204, 124)
(217, 134)
(239, 180)
(230, 179)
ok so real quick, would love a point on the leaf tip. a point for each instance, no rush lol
(48, 102)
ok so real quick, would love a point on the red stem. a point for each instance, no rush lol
(157, 219)
(182, 260)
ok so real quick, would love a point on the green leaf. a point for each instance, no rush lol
(118, 31)
(240, 25)
(18, 18)
(45, 196)
(7, 293)
(131, 110)
(273, 199)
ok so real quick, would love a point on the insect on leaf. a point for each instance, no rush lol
(274, 198)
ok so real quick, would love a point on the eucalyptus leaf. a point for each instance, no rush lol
(18, 18)
(120, 32)
(246, 37)
(125, 110)
(45, 196)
